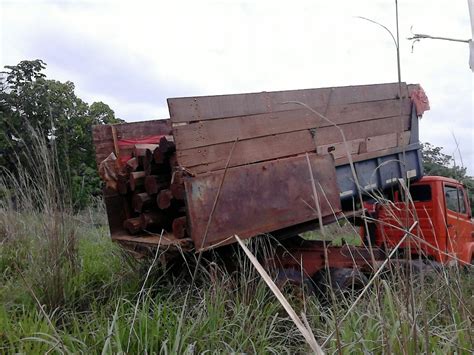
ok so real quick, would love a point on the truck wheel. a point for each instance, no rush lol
(347, 281)
(293, 279)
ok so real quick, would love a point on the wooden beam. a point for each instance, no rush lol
(133, 225)
(179, 227)
(140, 201)
(202, 108)
(163, 199)
(137, 178)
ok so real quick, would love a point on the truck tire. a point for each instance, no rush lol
(347, 281)
(293, 279)
(342, 281)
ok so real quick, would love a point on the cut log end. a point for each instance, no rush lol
(137, 178)
(163, 199)
(140, 201)
(155, 183)
(153, 220)
(179, 227)
(133, 225)
(178, 191)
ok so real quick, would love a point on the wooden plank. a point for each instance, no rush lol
(249, 151)
(106, 143)
(404, 138)
(190, 109)
(212, 158)
(164, 242)
(259, 198)
(211, 132)
(384, 141)
(327, 135)
(132, 130)
(338, 150)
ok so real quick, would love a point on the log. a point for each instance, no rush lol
(163, 199)
(139, 150)
(177, 185)
(132, 164)
(133, 225)
(137, 178)
(122, 185)
(178, 191)
(153, 219)
(155, 183)
(173, 161)
(179, 227)
(148, 161)
(140, 201)
(178, 177)
(158, 156)
(166, 144)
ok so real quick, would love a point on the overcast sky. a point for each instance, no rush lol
(134, 54)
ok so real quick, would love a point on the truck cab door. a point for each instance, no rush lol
(458, 222)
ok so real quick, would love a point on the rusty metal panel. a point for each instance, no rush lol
(259, 198)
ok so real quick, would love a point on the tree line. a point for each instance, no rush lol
(31, 104)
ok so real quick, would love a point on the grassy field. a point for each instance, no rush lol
(66, 288)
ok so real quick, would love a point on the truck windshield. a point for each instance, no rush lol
(420, 193)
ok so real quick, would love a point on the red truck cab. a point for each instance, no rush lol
(445, 232)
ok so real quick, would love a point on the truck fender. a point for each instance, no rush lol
(468, 255)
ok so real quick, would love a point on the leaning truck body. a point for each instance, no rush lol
(271, 162)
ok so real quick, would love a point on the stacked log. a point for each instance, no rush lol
(153, 190)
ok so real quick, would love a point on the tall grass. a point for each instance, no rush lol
(66, 288)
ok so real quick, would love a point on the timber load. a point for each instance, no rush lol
(247, 164)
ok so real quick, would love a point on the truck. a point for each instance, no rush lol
(283, 163)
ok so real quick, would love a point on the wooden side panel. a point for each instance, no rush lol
(384, 141)
(190, 109)
(259, 198)
(103, 140)
(214, 157)
(211, 132)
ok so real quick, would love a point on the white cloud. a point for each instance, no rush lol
(133, 55)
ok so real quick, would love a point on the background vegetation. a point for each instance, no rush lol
(31, 102)
(65, 288)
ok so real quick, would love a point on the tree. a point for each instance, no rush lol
(435, 162)
(29, 101)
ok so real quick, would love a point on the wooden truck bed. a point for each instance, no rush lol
(245, 159)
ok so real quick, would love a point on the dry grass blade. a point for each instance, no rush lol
(305, 331)
(315, 196)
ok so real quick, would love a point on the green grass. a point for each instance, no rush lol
(102, 309)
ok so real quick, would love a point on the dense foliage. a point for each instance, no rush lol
(29, 102)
